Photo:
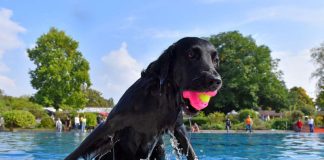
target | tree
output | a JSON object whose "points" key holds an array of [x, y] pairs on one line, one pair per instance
{"points": [[299, 100], [320, 99], [318, 58], [61, 74], [95, 99], [249, 75]]}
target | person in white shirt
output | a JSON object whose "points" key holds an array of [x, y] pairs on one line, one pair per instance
{"points": [[76, 122], [83, 124], [58, 125], [311, 124], [2, 123]]}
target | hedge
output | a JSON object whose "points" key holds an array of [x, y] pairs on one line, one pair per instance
{"points": [[217, 126], [245, 112], [47, 122], [91, 119], [281, 124], [216, 117], [17, 118]]}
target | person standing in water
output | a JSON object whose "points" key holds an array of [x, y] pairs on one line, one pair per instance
{"points": [[311, 124], [249, 123], [299, 125], [58, 125], [76, 122], [83, 124], [228, 124]]}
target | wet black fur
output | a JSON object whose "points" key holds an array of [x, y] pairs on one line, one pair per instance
{"points": [[153, 105]]}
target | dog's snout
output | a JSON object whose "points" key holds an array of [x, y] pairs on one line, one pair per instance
{"points": [[214, 82]]}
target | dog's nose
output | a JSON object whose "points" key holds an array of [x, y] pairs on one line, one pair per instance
{"points": [[214, 82]]}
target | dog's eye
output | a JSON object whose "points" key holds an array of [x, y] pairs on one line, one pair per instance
{"points": [[214, 57], [216, 62], [194, 53]]}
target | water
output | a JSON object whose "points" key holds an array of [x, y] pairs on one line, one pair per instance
{"points": [[304, 146]]}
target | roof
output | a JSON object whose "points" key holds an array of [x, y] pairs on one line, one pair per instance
{"points": [[270, 113], [321, 113], [95, 109]]}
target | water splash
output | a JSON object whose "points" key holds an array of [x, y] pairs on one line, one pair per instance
{"points": [[175, 145], [189, 137], [152, 148]]}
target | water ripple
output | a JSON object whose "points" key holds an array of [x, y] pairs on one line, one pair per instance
{"points": [[33, 146]]}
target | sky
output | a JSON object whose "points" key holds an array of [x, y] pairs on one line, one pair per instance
{"points": [[120, 38]]}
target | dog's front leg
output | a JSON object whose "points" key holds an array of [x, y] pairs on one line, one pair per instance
{"points": [[181, 135], [159, 151]]}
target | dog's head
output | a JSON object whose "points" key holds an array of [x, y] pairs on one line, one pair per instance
{"points": [[190, 64]]}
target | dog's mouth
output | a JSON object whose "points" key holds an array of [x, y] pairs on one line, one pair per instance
{"points": [[196, 101]]}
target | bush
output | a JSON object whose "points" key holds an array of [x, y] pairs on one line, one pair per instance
{"points": [[199, 120], [245, 112], [62, 115], [47, 122], [261, 125], [234, 118], [216, 117], [307, 109], [16, 118], [319, 121], [91, 119], [281, 124], [23, 103], [295, 115], [217, 126], [238, 126]]}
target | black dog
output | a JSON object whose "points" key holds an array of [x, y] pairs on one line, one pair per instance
{"points": [[153, 105]]}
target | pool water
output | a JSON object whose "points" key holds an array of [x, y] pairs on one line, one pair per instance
{"points": [[292, 146]]}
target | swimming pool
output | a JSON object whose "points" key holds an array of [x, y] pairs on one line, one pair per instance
{"points": [[303, 146]]}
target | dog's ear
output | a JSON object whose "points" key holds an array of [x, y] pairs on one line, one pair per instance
{"points": [[162, 66], [164, 63]]}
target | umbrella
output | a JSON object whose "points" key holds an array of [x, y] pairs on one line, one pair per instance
{"points": [[104, 114]]}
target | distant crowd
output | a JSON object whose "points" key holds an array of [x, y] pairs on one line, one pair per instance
{"points": [[79, 123]]}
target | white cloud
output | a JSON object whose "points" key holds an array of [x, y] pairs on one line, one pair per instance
{"points": [[297, 69], [309, 16], [9, 39], [121, 72], [9, 32], [6, 83]]}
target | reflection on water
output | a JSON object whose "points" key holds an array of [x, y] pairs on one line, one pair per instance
{"points": [[29, 145], [302, 146]]}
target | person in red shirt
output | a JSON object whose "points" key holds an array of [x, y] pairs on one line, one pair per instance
{"points": [[299, 125]]}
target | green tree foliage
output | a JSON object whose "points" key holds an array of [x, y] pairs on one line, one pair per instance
{"points": [[216, 117], [23, 103], [294, 115], [249, 74], [318, 58], [320, 99], [299, 100], [317, 55], [8, 103], [245, 112], [16, 118], [91, 119], [282, 124], [61, 72], [95, 99], [302, 96]]}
